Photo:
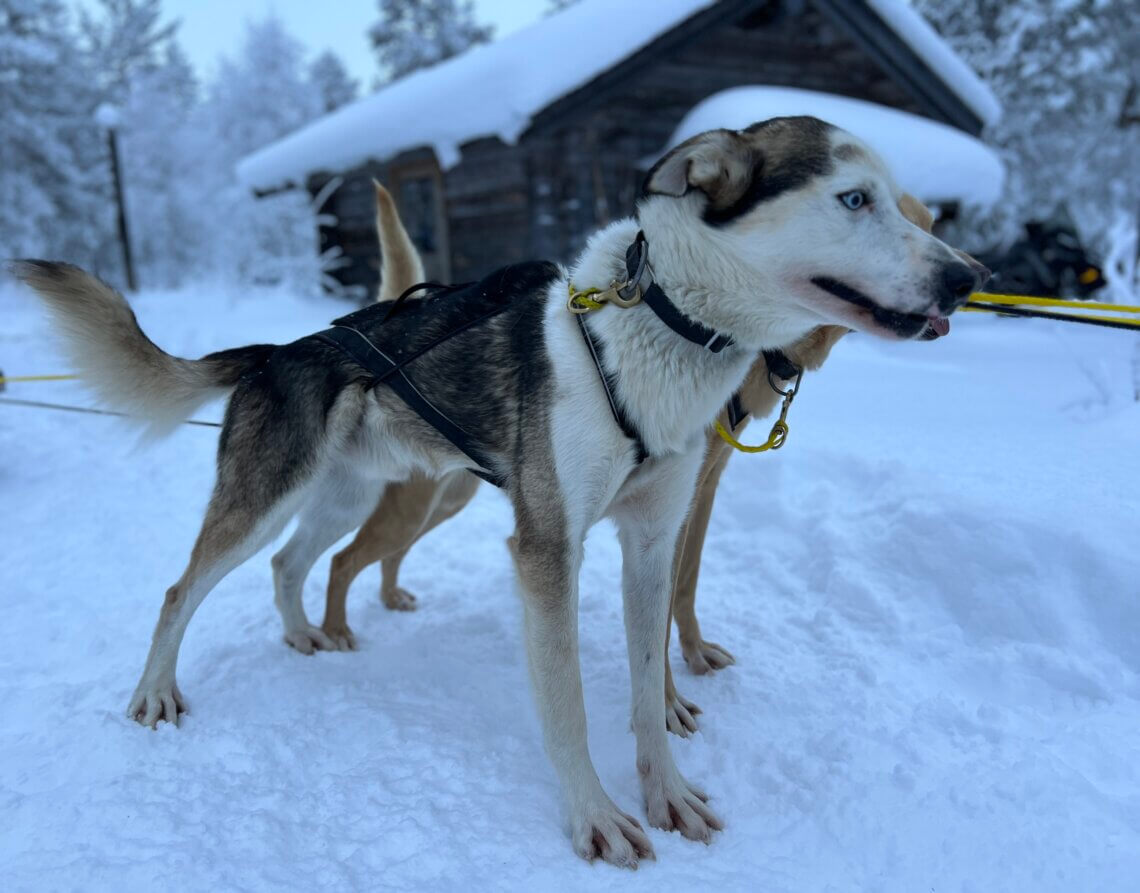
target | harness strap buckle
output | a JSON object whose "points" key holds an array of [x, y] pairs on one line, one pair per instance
{"points": [[590, 299], [623, 296]]}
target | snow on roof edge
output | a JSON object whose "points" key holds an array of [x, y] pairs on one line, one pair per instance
{"points": [[933, 161], [917, 33], [496, 89], [489, 90]]}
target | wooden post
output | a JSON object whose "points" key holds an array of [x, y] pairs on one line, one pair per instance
{"points": [[124, 235]]}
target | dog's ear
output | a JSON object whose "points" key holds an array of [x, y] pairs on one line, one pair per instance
{"points": [[916, 212], [720, 163]]}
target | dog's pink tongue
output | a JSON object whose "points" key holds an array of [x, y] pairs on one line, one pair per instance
{"points": [[941, 325]]}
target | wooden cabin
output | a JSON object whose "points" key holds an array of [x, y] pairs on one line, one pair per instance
{"points": [[519, 149]]}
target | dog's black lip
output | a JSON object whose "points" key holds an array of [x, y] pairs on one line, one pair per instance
{"points": [[906, 324]]}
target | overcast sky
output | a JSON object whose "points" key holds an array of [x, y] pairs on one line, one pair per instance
{"points": [[212, 27]]}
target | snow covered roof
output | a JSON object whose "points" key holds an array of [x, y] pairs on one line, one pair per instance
{"points": [[926, 43], [497, 89], [933, 161], [494, 89]]}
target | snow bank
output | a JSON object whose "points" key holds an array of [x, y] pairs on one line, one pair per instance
{"points": [[935, 162], [930, 592], [929, 46], [490, 90]]}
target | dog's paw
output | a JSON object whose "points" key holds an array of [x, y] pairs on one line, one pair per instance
{"points": [[680, 715], [398, 599], [675, 805], [154, 702], [605, 832], [342, 636], [706, 657], [308, 639]]}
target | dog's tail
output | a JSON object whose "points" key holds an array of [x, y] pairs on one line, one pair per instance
{"points": [[401, 266], [127, 370]]}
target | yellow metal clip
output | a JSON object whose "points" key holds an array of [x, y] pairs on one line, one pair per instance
{"points": [[590, 299]]}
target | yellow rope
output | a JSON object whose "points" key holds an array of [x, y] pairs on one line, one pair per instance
{"points": [[775, 440], [1122, 320], [582, 300], [4, 379], [988, 298]]}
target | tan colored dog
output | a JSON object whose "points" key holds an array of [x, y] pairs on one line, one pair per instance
{"points": [[410, 509]]}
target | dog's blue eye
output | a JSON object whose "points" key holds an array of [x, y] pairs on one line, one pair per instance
{"points": [[854, 200]]}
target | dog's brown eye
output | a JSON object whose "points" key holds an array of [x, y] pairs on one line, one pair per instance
{"points": [[854, 200]]}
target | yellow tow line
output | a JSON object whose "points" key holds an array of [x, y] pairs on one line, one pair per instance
{"points": [[1014, 305], [4, 379], [980, 302]]}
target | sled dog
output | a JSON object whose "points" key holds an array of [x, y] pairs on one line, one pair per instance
{"points": [[743, 240], [409, 509]]}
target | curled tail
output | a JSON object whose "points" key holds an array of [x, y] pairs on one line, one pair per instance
{"points": [[113, 356], [401, 266]]}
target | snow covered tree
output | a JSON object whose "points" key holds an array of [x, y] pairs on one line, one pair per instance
{"points": [[331, 79], [162, 201], [50, 198], [123, 37], [263, 93], [137, 65], [414, 34], [272, 239], [1067, 76]]}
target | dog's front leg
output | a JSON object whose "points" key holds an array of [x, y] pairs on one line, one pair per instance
{"points": [[548, 577], [649, 518]]}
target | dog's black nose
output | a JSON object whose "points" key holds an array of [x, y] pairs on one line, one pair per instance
{"points": [[956, 283]]}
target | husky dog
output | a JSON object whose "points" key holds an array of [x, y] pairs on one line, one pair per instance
{"points": [[410, 509], [757, 236], [407, 509]]}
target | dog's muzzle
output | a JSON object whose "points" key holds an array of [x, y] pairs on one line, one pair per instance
{"points": [[955, 282]]}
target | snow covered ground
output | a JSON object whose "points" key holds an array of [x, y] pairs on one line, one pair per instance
{"points": [[931, 593]]}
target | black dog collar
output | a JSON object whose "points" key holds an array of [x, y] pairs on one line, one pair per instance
{"points": [[637, 266]]}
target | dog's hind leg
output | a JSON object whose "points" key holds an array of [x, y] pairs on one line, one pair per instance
{"points": [[455, 490], [407, 511], [239, 521], [341, 500]]}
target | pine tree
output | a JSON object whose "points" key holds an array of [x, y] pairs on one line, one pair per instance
{"points": [[123, 38], [414, 34], [162, 200], [49, 204], [263, 93], [332, 82], [139, 69], [257, 97]]}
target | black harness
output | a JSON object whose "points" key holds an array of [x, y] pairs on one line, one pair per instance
{"points": [[393, 372], [384, 369]]}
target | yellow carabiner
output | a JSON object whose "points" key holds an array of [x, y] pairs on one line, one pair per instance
{"points": [[777, 437]]}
